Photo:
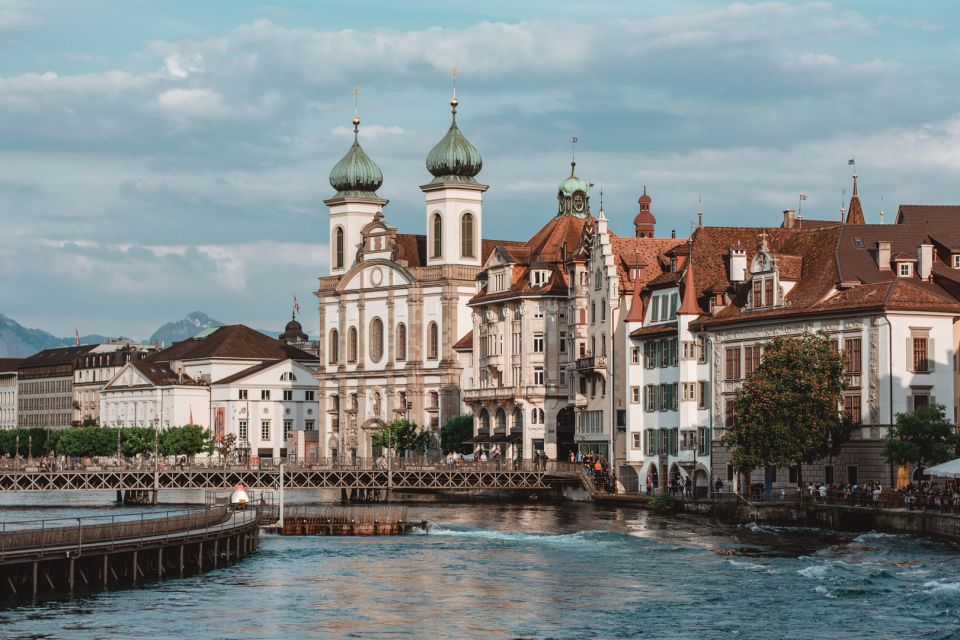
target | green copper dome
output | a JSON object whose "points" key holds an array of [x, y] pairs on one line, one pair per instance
{"points": [[572, 184], [454, 159], [356, 175]]}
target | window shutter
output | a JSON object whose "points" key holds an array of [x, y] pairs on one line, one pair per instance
{"points": [[910, 404], [933, 401], [910, 355], [930, 358], [645, 395]]}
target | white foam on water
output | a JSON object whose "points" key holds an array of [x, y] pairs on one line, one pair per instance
{"points": [[503, 536], [938, 588], [750, 566], [822, 590]]}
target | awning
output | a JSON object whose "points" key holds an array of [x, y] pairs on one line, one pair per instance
{"points": [[515, 436], [949, 469], [480, 438], [499, 437]]}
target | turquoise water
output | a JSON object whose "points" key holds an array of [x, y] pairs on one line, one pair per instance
{"points": [[541, 571]]}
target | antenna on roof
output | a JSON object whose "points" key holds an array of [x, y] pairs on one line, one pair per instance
{"points": [[699, 211], [843, 199]]}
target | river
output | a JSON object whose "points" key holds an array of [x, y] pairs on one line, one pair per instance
{"points": [[566, 570]]}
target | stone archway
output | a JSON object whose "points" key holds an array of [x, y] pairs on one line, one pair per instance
{"points": [[565, 433], [654, 475], [370, 428], [629, 479], [701, 482]]}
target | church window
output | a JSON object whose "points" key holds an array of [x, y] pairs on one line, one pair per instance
{"points": [[352, 345], [433, 341], [401, 342], [466, 235], [376, 339], [334, 346], [437, 236], [338, 249]]}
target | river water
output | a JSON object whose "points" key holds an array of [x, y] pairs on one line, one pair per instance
{"points": [[530, 571]]}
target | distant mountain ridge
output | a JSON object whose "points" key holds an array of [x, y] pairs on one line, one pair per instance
{"points": [[17, 341]]}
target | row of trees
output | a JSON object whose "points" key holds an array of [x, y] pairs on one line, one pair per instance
{"points": [[187, 440], [403, 436], [787, 413]]}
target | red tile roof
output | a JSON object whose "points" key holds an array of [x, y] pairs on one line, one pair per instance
{"points": [[465, 343], [413, 248]]}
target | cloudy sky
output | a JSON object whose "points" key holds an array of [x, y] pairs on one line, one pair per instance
{"points": [[161, 157]]}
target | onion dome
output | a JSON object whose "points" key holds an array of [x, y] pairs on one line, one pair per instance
{"points": [[572, 184], [454, 159], [356, 175]]}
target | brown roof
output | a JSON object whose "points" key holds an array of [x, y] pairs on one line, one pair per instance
{"points": [[9, 365], [413, 248], [655, 330], [240, 375], [939, 216], [645, 253], [60, 355], [160, 374], [231, 341], [465, 343]]}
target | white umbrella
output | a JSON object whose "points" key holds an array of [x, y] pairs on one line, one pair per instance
{"points": [[949, 469]]}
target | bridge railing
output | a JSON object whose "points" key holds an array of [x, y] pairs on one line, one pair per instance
{"points": [[41, 536]]}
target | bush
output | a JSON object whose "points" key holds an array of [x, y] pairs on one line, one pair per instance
{"points": [[665, 504]]}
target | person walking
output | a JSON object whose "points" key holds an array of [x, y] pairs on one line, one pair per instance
{"points": [[718, 487]]}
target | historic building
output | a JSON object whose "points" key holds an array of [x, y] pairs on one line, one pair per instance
{"points": [[94, 369], [45, 387], [8, 392], [231, 379], [394, 305], [886, 294]]}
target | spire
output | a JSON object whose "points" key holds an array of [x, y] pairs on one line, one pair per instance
{"points": [[636, 302], [644, 222], [689, 306], [356, 175], [855, 214], [454, 159]]}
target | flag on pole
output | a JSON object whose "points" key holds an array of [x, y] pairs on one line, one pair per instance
{"points": [[803, 196], [296, 305], [851, 161], [77, 332]]}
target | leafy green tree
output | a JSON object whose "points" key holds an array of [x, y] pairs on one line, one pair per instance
{"points": [[455, 433], [787, 411], [187, 440], [923, 437], [137, 441], [402, 436], [225, 445]]}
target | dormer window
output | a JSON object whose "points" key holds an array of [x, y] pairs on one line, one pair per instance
{"points": [[673, 264], [904, 269], [956, 261], [539, 277]]}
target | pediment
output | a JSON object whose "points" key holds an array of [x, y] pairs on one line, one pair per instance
{"points": [[373, 274]]}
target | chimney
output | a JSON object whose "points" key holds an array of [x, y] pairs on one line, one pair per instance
{"points": [[925, 261], [737, 265], [883, 255], [673, 233], [788, 219]]}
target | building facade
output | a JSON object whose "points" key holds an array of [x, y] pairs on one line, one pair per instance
{"points": [[8, 392], [45, 387], [97, 367]]}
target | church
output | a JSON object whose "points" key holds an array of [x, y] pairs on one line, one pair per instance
{"points": [[394, 304]]}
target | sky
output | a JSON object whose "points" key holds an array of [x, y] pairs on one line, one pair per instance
{"points": [[159, 157]]}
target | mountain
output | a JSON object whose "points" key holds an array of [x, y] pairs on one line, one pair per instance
{"points": [[17, 341], [190, 326]]}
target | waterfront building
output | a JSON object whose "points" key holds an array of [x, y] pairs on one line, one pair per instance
{"points": [[94, 369], [393, 304], [886, 294], [8, 392], [45, 387], [231, 379]]}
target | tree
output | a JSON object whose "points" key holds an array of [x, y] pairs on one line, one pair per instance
{"points": [[923, 437], [187, 440], [225, 445], [402, 436], [137, 440], [455, 433], [788, 409]]}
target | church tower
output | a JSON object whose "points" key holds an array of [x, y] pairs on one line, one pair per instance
{"points": [[356, 179], [454, 199]]}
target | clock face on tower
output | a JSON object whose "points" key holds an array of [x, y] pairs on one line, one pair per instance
{"points": [[578, 201]]}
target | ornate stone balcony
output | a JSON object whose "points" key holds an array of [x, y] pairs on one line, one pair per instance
{"points": [[592, 363]]}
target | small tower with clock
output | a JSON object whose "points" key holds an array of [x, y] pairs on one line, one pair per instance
{"points": [[573, 195]]}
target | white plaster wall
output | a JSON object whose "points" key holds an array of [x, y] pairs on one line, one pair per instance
{"points": [[451, 203]]}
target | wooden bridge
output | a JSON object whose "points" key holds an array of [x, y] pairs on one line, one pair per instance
{"points": [[358, 476], [64, 555]]}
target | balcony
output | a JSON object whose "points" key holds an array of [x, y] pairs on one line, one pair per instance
{"points": [[502, 393], [592, 363]]}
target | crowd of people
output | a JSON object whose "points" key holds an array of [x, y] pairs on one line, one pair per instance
{"points": [[597, 468]]}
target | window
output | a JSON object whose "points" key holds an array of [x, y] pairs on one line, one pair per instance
{"points": [[851, 409], [287, 428], [730, 414], [635, 395], [828, 473], [751, 359], [517, 376], [309, 425], [593, 312], [538, 310], [732, 370], [309, 396], [851, 355], [338, 251], [242, 394], [920, 400], [603, 309], [920, 361], [636, 440], [264, 429], [538, 343], [768, 292], [352, 345], [648, 358], [538, 375], [702, 395], [634, 355], [334, 346], [757, 292], [956, 261], [563, 342], [655, 309], [466, 235], [265, 394], [433, 341], [288, 394], [852, 475], [792, 475], [904, 269], [242, 430], [437, 236], [376, 339]]}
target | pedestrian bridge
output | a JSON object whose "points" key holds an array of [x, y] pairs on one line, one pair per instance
{"points": [[364, 475]]}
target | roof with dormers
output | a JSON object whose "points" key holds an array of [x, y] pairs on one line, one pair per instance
{"points": [[232, 341]]}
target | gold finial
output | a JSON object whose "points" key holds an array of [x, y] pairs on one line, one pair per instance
{"points": [[453, 76], [356, 109]]}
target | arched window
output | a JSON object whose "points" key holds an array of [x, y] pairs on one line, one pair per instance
{"points": [[501, 420], [334, 346], [433, 341], [287, 377], [338, 248], [466, 235], [517, 419], [434, 400], [401, 342], [376, 339], [540, 416], [437, 236], [352, 345], [485, 420]]}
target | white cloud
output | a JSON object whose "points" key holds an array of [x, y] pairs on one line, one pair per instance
{"points": [[191, 102]]}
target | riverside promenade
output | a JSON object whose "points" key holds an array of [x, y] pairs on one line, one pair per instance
{"points": [[60, 556]]}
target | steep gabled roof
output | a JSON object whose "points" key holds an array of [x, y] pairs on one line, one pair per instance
{"points": [[465, 343], [235, 341]]}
